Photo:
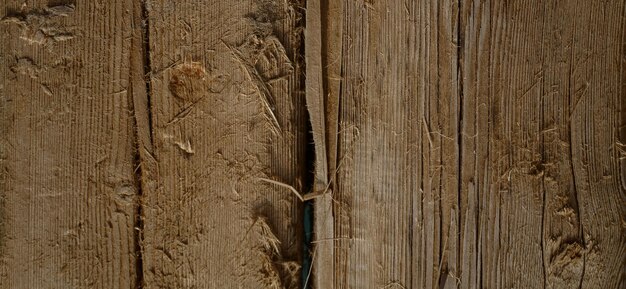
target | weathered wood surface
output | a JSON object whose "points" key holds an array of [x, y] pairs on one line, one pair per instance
{"points": [[547, 82], [458, 144], [397, 163], [543, 102], [481, 145], [228, 118], [67, 171]]}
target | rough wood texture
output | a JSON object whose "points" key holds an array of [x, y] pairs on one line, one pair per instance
{"points": [[67, 180], [481, 145], [322, 115], [398, 164], [458, 144], [543, 103], [228, 122]]}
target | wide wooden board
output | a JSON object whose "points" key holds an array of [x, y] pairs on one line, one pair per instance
{"points": [[229, 134], [67, 158], [480, 145]]}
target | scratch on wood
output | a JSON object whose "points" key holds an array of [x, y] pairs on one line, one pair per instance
{"points": [[266, 97]]}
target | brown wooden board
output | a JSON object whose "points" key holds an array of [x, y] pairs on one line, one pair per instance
{"points": [[445, 144], [480, 145], [543, 102], [67, 171], [395, 192], [229, 133]]}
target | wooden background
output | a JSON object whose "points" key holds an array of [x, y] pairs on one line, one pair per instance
{"points": [[444, 144]]}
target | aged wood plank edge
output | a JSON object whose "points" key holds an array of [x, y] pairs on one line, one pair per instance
{"points": [[322, 264], [314, 88]]}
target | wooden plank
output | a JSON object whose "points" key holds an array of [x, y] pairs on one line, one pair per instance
{"points": [[228, 123], [542, 102], [458, 144], [501, 168], [398, 150], [67, 171], [506, 151]]}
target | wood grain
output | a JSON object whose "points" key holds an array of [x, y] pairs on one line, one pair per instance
{"points": [[480, 145], [452, 144], [397, 158], [227, 110], [323, 50], [543, 102], [67, 180]]}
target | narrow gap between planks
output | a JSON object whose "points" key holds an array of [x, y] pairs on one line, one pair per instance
{"points": [[141, 107]]}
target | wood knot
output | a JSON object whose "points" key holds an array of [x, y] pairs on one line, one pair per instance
{"points": [[566, 264], [537, 168], [190, 81], [186, 80]]}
